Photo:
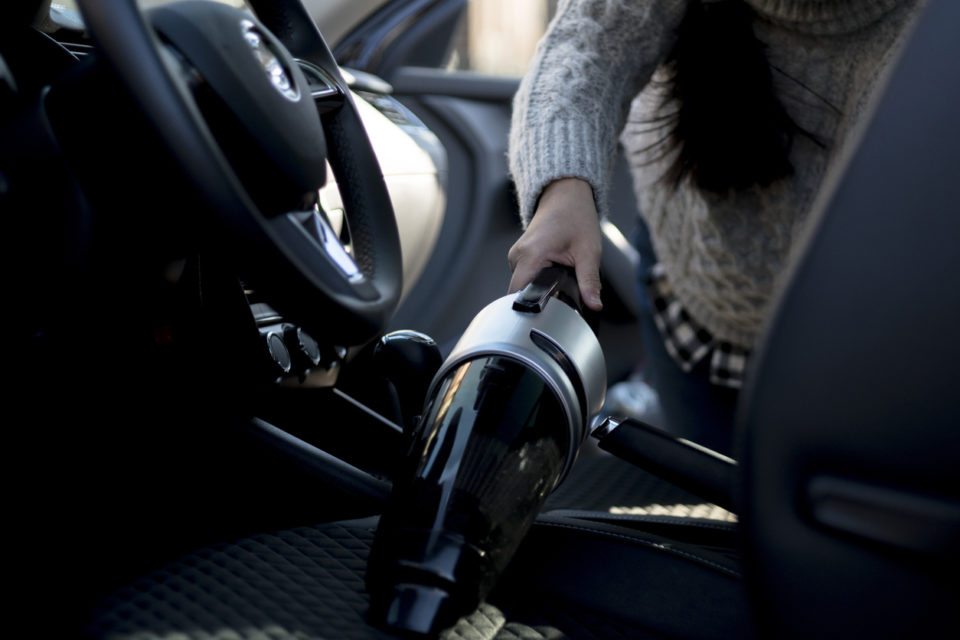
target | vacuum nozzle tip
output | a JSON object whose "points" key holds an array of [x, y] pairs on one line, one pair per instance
{"points": [[414, 610]]}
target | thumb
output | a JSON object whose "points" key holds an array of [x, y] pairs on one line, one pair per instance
{"points": [[588, 279]]}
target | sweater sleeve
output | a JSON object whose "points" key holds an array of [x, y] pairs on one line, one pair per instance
{"points": [[574, 99]]}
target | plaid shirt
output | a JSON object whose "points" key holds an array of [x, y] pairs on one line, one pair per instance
{"points": [[686, 341]]}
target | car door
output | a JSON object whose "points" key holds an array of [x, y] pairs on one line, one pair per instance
{"points": [[456, 65]]}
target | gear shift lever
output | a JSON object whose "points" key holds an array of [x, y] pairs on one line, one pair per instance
{"points": [[409, 360]]}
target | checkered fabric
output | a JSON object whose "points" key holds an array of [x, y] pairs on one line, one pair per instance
{"points": [[686, 341]]}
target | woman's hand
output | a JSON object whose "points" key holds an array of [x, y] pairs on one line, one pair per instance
{"points": [[565, 230]]}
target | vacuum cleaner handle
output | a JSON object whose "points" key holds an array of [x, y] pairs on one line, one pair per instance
{"points": [[553, 281], [556, 281]]}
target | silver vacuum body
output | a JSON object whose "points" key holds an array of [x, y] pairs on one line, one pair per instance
{"points": [[556, 344], [503, 420]]}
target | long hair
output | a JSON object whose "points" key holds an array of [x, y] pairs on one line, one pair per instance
{"points": [[730, 130]]}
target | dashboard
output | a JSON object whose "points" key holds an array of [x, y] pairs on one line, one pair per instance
{"points": [[411, 159]]}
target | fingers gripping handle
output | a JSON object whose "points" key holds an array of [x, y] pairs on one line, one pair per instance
{"points": [[553, 281]]}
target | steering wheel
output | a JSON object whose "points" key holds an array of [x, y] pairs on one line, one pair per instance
{"points": [[250, 124]]}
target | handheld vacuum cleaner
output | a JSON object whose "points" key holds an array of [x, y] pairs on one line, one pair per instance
{"points": [[502, 423]]}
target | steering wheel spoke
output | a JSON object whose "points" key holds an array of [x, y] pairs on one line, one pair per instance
{"points": [[326, 92], [316, 226]]}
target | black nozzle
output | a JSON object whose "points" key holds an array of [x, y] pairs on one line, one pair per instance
{"points": [[422, 581], [414, 610], [493, 443]]}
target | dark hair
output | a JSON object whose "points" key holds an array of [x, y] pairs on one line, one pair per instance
{"points": [[730, 130]]}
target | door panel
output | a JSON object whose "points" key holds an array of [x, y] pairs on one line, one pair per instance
{"points": [[470, 114], [469, 267]]}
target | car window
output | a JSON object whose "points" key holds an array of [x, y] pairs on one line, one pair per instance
{"points": [[498, 37]]}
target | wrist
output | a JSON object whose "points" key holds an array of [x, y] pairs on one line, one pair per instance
{"points": [[567, 194]]}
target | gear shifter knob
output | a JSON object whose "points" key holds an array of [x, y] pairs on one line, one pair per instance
{"points": [[503, 421], [409, 360]]}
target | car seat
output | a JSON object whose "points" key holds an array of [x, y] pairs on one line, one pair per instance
{"points": [[850, 467]]}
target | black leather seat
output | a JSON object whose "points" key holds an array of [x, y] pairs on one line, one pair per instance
{"points": [[848, 497], [851, 460]]}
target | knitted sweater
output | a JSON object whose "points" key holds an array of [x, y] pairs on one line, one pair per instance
{"points": [[721, 255]]}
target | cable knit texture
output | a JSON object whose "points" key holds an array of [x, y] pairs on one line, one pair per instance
{"points": [[595, 80]]}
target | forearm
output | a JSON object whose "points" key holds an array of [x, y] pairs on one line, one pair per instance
{"points": [[573, 102]]}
